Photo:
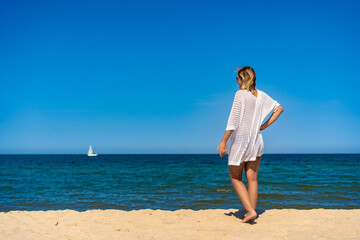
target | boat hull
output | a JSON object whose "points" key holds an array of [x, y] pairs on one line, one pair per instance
{"points": [[92, 154]]}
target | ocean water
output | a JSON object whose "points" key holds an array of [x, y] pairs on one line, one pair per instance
{"points": [[174, 181]]}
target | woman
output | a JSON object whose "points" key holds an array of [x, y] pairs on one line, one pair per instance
{"points": [[249, 109]]}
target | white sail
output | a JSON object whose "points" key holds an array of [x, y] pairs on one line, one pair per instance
{"points": [[91, 152]]}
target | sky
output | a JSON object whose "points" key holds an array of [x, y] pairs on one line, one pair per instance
{"points": [[133, 77]]}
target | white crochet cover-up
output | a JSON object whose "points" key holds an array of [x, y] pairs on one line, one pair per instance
{"points": [[246, 116]]}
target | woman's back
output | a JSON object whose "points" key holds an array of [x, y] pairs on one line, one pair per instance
{"points": [[247, 114]]}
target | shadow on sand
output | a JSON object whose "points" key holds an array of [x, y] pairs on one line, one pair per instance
{"points": [[240, 214]]}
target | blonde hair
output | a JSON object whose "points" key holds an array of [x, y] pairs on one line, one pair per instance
{"points": [[248, 78]]}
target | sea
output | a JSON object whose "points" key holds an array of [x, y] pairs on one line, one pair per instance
{"points": [[174, 181]]}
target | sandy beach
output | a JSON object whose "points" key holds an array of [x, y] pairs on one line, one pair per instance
{"points": [[180, 224]]}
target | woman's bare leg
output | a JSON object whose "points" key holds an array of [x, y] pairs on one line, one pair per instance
{"points": [[235, 173], [251, 171]]}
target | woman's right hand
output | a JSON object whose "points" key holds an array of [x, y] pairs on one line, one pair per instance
{"points": [[262, 127], [223, 148]]}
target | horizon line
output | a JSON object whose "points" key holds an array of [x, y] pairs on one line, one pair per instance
{"points": [[151, 153]]}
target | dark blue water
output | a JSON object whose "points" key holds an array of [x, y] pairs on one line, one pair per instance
{"points": [[171, 182]]}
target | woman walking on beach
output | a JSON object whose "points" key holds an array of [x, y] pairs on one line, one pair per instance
{"points": [[249, 109]]}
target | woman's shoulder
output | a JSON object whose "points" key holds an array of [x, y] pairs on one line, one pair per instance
{"points": [[262, 92], [240, 91], [244, 92]]}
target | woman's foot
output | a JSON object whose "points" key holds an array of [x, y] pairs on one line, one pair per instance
{"points": [[249, 216]]}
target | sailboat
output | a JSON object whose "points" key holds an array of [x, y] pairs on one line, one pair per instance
{"points": [[91, 153]]}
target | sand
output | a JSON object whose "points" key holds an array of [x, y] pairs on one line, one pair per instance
{"points": [[180, 224]]}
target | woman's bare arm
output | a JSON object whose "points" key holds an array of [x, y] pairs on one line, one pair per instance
{"points": [[272, 118], [227, 136]]}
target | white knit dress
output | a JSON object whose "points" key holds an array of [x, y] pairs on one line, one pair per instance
{"points": [[246, 116]]}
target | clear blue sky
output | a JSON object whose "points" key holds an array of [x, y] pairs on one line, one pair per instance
{"points": [[158, 76]]}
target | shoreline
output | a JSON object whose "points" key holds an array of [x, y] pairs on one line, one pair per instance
{"points": [[180, 224]]}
